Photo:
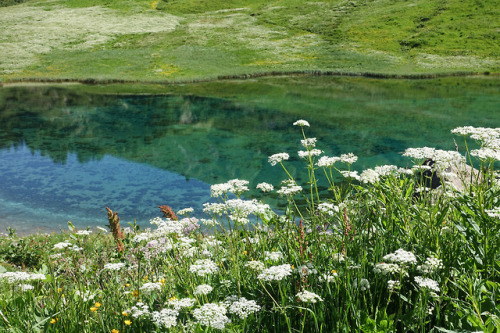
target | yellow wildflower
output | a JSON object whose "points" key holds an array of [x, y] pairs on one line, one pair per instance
{"points": [[114, 331], [125, 313], [53, 321], [128, 322], [97, 305], [135, 293], [93, 309], [127, 285]]}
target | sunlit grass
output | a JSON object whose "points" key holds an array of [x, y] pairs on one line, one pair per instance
{"points": [[379, 252]]}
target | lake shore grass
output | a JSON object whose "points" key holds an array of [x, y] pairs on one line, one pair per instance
{"points": [[382, 252]]}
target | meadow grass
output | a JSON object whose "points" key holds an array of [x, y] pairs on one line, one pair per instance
{"points": [[380, 252], [185, 40]]}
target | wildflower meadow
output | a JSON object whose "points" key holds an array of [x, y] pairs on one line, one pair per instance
{"points": [[388, 249]]}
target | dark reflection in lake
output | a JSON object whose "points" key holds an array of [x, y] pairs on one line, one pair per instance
{"points": [[65, 156]]}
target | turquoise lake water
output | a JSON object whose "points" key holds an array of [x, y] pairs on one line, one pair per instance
{"points": [[66, 156]]}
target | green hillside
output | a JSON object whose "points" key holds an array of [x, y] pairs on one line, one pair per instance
{"points": [[178, 40]]}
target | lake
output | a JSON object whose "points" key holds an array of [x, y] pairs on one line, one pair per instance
{"points": [[67, 152]]}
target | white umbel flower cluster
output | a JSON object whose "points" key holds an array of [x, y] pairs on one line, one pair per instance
{"points": [[62, 245], [327, 162], [255, 265], [275, 273], [427, 283], [165, 318], [289, 188], [401, 257], [309, 153], [203, 289], [149, 287], [114, 266], [182, 303], [243, 307], [388, 268], [349, 158], [308, 297], [328, 208], [301, 123], [273, 256], [308, 142], [265, 187], [204, 267], [13, 277], [236, 186], [278, 158], [212, 315], [430, 265]]}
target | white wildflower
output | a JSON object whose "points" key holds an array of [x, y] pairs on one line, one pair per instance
{"points": [[139, 310], [430, 265], [275, 273], [149, 287], [349, 158], [13, 277], [114, 266], [308, 142], [62, 245], [328, 208], [265, 187], [486, 153], [393, 285], [308, 297], [427, 283], [86, 296], [350, 174], [273, 256], [401, 257], [212, 315], [165, 318], [301, 123], [203, 289], [389, 268], [182, 303], [185, 211], [327, 162], [309, 153], [255, 265], [26, 287], [204, 267], [369, 176], [83, 232], [209, 222], [243, 307], [214, 208], [278, 158], [289, 188]]}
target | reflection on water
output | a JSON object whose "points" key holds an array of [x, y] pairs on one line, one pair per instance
{"points": [[65, 156]]}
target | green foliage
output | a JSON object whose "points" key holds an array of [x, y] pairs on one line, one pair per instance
{"points": [[237, 37], [373, 255]]}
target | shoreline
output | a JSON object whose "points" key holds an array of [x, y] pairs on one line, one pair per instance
{"points": [[309, 73]]}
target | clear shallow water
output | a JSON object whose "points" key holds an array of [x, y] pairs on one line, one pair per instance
{"points": [[67, 155]]}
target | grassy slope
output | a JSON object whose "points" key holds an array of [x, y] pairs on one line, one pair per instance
{"points": [[194, 39]]}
